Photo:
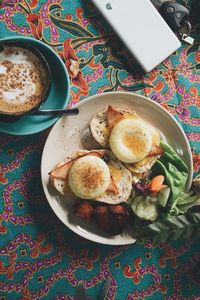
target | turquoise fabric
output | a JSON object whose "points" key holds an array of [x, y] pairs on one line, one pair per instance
{"points": [[39, 257]]}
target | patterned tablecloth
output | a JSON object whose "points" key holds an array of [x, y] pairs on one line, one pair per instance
{"points": [[39, 257]]}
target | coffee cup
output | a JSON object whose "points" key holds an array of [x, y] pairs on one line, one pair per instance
{"points": [[25, 79]]}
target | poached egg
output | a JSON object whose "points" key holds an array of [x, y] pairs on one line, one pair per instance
{"points": [[89, 177], [131, 140]]}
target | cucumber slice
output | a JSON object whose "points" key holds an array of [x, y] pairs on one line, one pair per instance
{"points": [[151, 199], [135, 179], [131, 197], [163, 196], [135, 202], [147, 211]]}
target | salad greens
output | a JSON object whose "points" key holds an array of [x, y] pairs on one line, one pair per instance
{"points": [[184, 202], [174, 170], [161, 211], [170, 228]]}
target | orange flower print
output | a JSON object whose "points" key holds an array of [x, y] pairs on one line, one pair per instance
{"points": [[197, 56], [196, 161], [33, 3], [72, 65], [170, 76], [35, 24]]}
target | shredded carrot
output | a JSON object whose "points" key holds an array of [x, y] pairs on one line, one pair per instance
{"points": [[156, 184]]}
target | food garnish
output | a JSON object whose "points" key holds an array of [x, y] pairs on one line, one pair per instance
{"points": [[156, 184]]}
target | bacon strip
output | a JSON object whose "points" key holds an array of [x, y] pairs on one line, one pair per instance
{"points": [[112, 186], [62, 171], [113, 116], [156, 150]]}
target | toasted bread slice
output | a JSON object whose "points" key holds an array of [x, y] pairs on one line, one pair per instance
{"points": [[61, 172], [103, 122], [58, 175], [143, 165], [146, 163], [121, 180]]}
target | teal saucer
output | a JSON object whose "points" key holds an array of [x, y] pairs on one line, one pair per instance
{"points": [[58, 97]]}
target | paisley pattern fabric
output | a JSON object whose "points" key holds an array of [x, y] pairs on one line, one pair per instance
{"points": [[39, 257]]}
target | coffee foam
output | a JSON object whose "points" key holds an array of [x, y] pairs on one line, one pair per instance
{"points": [[17, 57], [3, 70], [23, 80]]}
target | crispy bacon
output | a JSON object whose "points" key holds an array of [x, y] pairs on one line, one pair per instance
{"points": [[156, 150], [112, 219], [113, 116], [84, 210]]}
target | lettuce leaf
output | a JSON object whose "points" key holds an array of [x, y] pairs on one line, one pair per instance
{"points": [[174, 169], [184, 202]]}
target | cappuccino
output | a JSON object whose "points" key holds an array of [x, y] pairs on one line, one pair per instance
{"points": [[23, 80]]}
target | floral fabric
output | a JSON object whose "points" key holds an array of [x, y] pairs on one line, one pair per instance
{"points": [[39, 257]]}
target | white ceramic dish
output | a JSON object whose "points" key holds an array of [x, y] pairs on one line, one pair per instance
{"points": [[66, 137]]}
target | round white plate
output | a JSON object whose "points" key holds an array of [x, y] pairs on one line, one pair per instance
{"points": [[66, 137]]}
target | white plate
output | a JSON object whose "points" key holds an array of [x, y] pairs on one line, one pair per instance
{"points": [[66, 137]]}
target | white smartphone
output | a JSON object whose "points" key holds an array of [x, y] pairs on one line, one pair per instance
{"points": [[141, 28]]}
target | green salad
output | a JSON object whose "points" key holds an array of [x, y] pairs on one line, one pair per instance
{"points": [[161, 206]]}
